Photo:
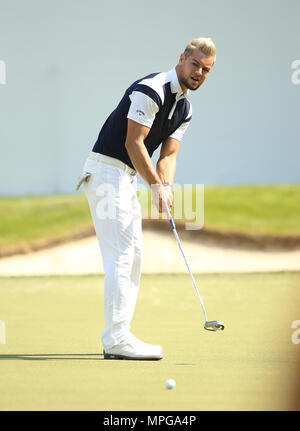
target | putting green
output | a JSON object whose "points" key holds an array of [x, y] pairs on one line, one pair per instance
{"points": [[52, 357]]}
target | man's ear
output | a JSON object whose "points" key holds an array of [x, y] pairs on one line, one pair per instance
{"points": [[181, 58]]}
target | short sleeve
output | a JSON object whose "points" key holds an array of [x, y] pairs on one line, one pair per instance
{"points": [[178, 134], [142, 109]]}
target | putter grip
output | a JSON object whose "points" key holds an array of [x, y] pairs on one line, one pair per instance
{"points": [[172, 223]]}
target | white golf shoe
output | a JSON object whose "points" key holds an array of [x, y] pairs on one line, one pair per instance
{"points": [[133, 348]]}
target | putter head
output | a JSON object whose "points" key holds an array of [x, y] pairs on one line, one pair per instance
{"points": [[214, 325]]}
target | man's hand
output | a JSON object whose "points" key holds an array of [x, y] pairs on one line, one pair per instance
{"points": [[162, 197]]}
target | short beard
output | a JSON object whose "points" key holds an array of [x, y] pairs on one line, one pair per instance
{"points": [[187, 85]]}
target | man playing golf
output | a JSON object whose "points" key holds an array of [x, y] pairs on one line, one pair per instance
{"points": [[154, 111]]}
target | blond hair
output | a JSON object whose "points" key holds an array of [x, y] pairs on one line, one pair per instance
{"points": [[204, 44]]}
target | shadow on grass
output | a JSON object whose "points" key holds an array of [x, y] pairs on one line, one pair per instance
{"points": [[54, 356], [64, 356]]}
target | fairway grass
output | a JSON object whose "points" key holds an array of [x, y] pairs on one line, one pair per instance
{"points": [[32, 219], [52, 359], [248, 209]]}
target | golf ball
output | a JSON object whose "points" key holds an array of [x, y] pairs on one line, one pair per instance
{"points": [[170, 384]]}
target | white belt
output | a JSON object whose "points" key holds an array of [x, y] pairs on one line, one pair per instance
{"points": [[111, 161]]}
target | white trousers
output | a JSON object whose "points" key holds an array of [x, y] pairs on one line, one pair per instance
{"points": [[116, 214]]}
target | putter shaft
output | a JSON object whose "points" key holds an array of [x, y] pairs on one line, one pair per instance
{"points": [[186, 262], [212, 325]]}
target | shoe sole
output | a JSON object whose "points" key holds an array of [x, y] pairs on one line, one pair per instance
{"points": [[129, 358]]}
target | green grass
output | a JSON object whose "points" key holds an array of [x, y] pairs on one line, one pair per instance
{"points": [[254, 209], [251, 209], [52, 357], [34, 218], [247, 209]]}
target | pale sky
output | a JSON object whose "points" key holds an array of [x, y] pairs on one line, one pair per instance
{"points": [[68, 63]]}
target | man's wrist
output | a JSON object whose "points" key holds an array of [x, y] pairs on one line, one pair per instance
{"points": [[162, 184]]}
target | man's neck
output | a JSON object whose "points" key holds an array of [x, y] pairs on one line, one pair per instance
{"points": [[183, 88]]}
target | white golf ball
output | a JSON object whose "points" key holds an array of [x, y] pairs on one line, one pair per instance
{"points": [[170, 384]]}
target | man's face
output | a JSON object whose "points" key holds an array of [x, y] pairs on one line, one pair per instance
{"points": [[193, 70]]}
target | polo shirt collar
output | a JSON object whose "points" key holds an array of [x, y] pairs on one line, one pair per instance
{"points": [[175, 86]]}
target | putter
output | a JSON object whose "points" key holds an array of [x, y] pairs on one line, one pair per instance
{"points": [[212, 325]]}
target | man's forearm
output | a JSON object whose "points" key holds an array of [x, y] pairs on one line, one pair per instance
{"points": [[142, 162], [166, 169]]}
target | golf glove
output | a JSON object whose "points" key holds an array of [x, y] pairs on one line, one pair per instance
{"points": [[162, 197]]}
